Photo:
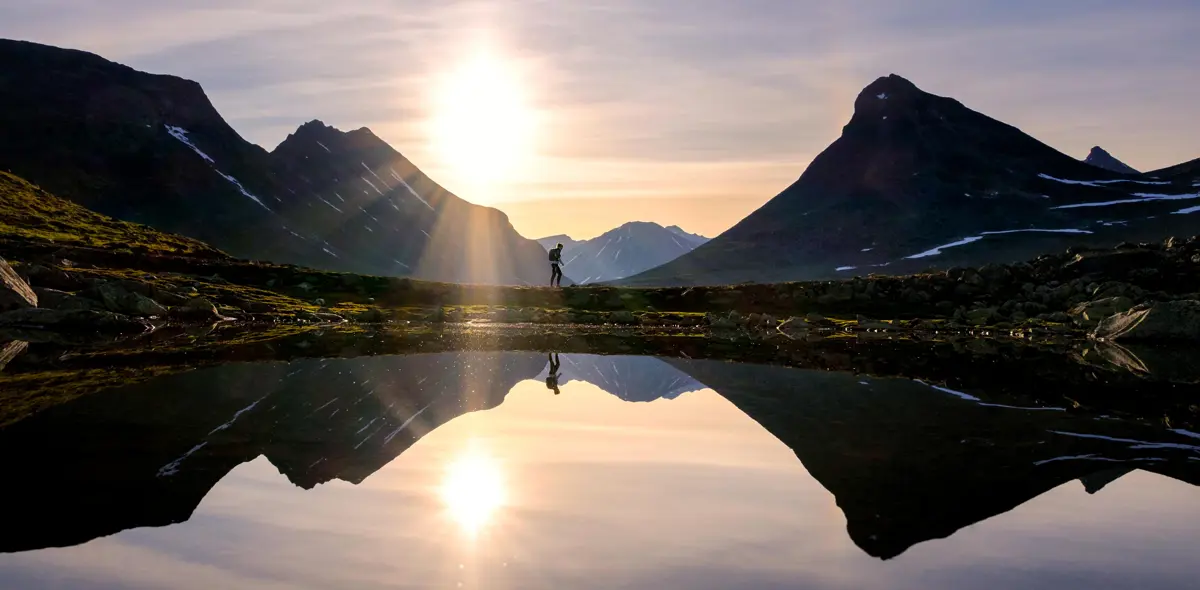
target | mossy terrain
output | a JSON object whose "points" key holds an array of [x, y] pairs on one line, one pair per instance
{"points": [[59, 245], [31, 214], [1064, 372]]}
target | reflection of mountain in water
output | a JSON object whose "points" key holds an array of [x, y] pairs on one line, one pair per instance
{"points": [[908, 462], [145, 455], [631, 378]]}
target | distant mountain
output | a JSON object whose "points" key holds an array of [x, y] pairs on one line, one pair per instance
{"points": [[630, 378], [153, 149], [919, 181], [1102, 159], [624, 251]]}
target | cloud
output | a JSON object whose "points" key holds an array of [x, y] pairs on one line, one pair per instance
{"points": [[759, 87]]}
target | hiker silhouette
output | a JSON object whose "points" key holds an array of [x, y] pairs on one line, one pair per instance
{"points": [[553, 375]]}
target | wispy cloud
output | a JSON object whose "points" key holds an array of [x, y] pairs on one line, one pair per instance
{"points": [[644, 97]]}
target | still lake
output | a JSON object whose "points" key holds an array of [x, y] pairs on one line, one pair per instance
{"points": [[467, 470]]}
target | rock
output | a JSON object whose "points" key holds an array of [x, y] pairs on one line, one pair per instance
{"points": [[15, 293], [63, 301], [332, 318], [1058, 317], [118, 299], [41, 276], [304, 287], [814, 318], [10, 351], [318, 302], [196, 309], [168, 298], [83, 320], [794, 326], [371, 316], [717, 322], [622, 317], [981, 317], [1091, 313], [1168, 320]]}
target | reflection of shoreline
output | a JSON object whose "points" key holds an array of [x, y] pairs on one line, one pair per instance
{"points": [[907, 462], [910, 463]]}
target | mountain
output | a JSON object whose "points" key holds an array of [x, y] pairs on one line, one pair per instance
{"points": [[919, 181], [152, 149], [129, 458], [630, 378], [1102, 159], [1186, 172], [624, 251]]}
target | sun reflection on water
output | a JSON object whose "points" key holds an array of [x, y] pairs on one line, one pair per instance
{"points": [[473, 489]]}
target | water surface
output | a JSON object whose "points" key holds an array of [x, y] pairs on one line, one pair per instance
{"points": [[466, 469]]}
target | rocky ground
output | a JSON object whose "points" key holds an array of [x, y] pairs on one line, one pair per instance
{"points": [[1148, 291]]}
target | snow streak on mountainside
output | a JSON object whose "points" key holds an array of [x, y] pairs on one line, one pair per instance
{"points": [[918, 181], [153, 149]]}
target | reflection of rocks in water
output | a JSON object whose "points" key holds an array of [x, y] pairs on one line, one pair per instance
{"points": [[10, 351], [908, 462], [1172, 363], [147, 454], [630, 378]]}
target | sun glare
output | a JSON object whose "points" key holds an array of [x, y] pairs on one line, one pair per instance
{"points": [[473, 489], [483, 126]]}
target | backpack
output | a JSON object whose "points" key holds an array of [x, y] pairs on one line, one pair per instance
{"points": [[555, 255]]}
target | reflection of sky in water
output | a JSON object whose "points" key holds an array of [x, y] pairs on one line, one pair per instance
{"points": [[583, 490]]}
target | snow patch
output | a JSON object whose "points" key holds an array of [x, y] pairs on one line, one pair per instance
{"points": [[364, 179], [324, 147], [330, 204], [844, 268], [882, 96], [1137, 444], [965, 241], [236, 415], [173, 467], [1141, 198], [182, 135], [957, 394], [1186, 211], [242, 189], [1099, 183], [329, 252], [866, 249]]}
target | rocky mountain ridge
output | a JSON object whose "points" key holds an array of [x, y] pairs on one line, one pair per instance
{"points": [[921, 181], [152, 149]]}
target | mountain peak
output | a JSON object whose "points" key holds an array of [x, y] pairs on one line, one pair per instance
{"points": [[886, 90], [1100, 158]]}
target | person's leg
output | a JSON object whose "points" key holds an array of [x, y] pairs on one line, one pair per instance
{"points": [[553, 272]]}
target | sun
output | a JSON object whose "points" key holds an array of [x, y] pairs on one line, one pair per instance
{"points": [[473, 489], [483, 126]]}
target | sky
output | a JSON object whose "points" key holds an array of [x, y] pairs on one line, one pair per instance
{"points": [[575, 117]]}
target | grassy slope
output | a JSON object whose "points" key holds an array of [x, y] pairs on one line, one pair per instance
{"points": [[29, 213]]}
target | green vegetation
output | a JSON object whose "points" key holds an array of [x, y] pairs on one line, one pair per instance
{"points": [[29, 213]]}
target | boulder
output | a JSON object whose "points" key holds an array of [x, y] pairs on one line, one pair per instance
{"points": [[52, 278], [63, 301], [622, 317], [10, 351], [70, 321], [117, 298], [196, 309], [719, 322], [1166, 320], [980, 317], [794, 326], [1089, 314], [15, 293]]}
